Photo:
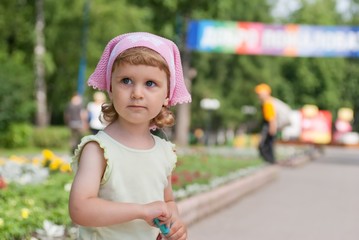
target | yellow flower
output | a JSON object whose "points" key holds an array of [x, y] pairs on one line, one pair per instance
{"points": [[47, 154], [25, 212], [55, 164], [2, 161], [65, 167], [58, 159], [2, 222]]}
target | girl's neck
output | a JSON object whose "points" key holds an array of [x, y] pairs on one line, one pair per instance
{"points": [[134, 136]]}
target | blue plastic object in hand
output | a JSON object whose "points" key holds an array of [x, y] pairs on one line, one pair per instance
{"points": [[163, 228]]}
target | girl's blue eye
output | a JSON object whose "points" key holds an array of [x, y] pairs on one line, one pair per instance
{"points": [[126, 81], [150, 84]]}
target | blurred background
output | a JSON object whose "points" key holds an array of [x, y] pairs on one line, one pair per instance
{"points": [[49, 48]]}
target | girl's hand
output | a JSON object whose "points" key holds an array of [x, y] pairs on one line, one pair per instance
{"points": [[158, 210], [178, 231]]}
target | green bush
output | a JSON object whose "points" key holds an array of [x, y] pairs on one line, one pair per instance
{"points": [[51, 137], [24, 135], [17, 103], [18, 135]]}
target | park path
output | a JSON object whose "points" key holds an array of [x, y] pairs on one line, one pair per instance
{"points": [[318, 201]]}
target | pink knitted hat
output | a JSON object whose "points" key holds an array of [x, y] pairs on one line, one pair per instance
{"points": [[101, 77]]}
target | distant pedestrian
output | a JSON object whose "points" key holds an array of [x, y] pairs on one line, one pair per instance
{"points": [[96, 121], [75, 117], [269, 127]]}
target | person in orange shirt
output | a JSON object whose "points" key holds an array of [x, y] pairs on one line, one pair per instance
{"points": [[269, 129]]}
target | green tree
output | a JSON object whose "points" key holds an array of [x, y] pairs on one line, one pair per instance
{"points": [[16, 80], [16, 69]]}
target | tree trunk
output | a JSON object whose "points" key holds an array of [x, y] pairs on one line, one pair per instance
{"points": [[183, 115], [40, 84]]}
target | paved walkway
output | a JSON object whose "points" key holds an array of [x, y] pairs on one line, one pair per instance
{"points": [[319, 201]]}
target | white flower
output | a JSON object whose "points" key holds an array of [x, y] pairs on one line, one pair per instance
{"points": [[67, 187], [23, 173], [50, 230]]}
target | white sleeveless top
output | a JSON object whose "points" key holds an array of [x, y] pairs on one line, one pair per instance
{"points": [[132, 176]]}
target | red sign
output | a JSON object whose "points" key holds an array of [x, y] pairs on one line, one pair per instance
{"points": [[316, 128]]}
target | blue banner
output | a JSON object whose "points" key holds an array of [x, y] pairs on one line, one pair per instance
{"points": [[279, 40]]}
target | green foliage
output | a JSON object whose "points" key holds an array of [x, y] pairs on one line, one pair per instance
{"points": [[23, 135], [320, 12], [16, 30], [17, 136], [16, 69], [51, 137], [16, 104]]}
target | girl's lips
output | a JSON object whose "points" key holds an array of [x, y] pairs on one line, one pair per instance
{"points": [[136, 106]]}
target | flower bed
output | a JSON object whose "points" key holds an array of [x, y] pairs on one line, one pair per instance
{"points": [[201, 172], [34, 192]]}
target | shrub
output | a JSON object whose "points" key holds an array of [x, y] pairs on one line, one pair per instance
{"points": [[51, 137], [18, 135]]}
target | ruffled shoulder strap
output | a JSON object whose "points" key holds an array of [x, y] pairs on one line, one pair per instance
{"points": [[170, 150], [78, 151]]}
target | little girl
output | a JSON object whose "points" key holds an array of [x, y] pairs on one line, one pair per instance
{"points": [[123, 173]]}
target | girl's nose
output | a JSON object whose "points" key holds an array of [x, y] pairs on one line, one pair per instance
{"points": [[137, 92]]}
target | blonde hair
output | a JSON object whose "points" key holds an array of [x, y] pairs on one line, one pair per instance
{"points": [[149, 57]]}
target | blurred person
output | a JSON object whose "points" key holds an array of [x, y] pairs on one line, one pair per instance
{"points": [[96, 122], [75, 117], [269, 127]]}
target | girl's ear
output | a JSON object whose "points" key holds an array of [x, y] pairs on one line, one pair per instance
{"points": [[167, 100]]}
